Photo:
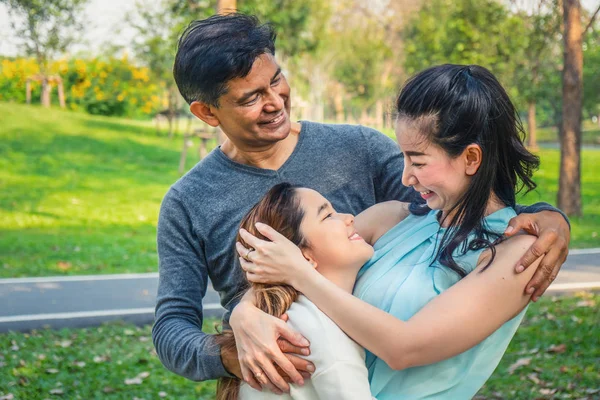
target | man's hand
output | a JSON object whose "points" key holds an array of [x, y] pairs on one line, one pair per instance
{"points": [[552, 244], [257, 338]]}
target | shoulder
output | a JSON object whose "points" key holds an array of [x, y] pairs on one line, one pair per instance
{"points": [[358, 132], [376, 220], [328, 343]]}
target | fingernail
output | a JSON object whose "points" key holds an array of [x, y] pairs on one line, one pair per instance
{"points": [[520, 268], [304, 342], [531, 290], [310, 368], [509, 229], [300, 382], [305, 352], [258, 223]]}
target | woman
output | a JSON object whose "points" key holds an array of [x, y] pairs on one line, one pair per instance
{"points": [[341, 371], [460, 136]]}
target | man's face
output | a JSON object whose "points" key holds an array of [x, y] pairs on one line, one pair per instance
{"points": [[255, 111]]}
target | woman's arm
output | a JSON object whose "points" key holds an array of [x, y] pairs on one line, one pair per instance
{"points": [[447, 326], [376, 220]]}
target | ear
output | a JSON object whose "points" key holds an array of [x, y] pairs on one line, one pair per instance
{"points": [[473, 157], [204, 111], [308, 256]]}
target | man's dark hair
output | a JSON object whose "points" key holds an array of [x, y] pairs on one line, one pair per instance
{"points": [[213, 51]]}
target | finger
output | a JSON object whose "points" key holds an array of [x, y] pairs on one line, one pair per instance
{"points": [[549, 268], [286, 347], [255, 278], [252, 240], [540, 247], [247, 266], [301, 364], [241, 249], [284, 317], [292, 336], [270, 233], [281, 361], [515, 225], [248, 377], [275, 379], [265, 382], [540, 278]]}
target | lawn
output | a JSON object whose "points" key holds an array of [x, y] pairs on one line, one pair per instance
{"points": [[81, 194], [554, 355]]}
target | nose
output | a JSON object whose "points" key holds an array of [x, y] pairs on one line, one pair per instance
{"points": [[348, 219], [275, 101], [408, 178]]}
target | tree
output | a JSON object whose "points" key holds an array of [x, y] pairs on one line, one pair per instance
{"points": [[45, 29], [539, 60], [569, 184]]}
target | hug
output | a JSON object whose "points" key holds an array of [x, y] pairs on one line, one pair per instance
{"points": [[350, 266]]}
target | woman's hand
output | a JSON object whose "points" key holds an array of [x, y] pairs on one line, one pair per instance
{"points": [[258, 339], [277, 261]]}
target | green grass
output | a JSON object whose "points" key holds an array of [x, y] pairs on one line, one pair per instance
{"points": [[94, 363], [81, 194]]}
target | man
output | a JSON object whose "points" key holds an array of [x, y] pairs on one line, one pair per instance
{"points": [[226, 70]]}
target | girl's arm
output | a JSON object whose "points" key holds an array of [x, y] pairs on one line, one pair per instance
{"points": [[376, 220], [445, 327]]}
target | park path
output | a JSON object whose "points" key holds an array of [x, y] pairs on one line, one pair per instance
{"points": [[80, 301]]}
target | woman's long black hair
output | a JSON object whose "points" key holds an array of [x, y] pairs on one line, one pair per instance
{"points": [[458, 105]]}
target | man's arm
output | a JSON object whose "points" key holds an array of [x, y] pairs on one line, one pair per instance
{"points": [[177, 333]]}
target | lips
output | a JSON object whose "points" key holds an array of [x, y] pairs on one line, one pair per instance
{"points": [[275, 121], [355, 236]]}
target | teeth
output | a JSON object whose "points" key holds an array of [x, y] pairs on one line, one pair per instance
{"points": [[354, 236], [426, 192]]}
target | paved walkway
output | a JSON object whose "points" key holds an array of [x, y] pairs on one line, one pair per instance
{"points": [[78, 301]]}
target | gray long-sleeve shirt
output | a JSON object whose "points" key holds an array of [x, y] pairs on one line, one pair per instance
{"points": [[352, 166]]}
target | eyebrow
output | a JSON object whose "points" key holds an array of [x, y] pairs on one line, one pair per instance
{"points": [[414, 153], [247, 95], [322, 208]]}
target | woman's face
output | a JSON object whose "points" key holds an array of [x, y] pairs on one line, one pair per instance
{"points": [[332, 239], [440, 179]]}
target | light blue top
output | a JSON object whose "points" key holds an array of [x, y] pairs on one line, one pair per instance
{"points": [[400, 280]]}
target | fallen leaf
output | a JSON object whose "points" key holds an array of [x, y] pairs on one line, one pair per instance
{"points": [[66, 343], [548, 391], [80, 364], [133, 381], [559, 349], [592, 391], [162, 394], [129, 332], [9, 396], [534, 378], [108, 389], [143, 375], [52, 371], [575, 319], [63, 265], [564, 369], [586, 303], [57, 391], [520, 363]]}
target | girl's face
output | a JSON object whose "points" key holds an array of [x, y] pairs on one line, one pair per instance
{"points": [[440, 179], [332, 239]]}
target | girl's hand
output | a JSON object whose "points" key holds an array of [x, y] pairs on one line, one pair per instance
{"points": [[256, 337], [277, 261]]}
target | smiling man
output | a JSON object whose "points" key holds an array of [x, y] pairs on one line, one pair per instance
{"points": [[226, 70]]}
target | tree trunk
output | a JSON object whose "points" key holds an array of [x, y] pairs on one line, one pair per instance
{"points": [[379, 114], [338, 101], [61, 94], [531, 126], [569, 188], [226, 6], [171, 111], [45, 98]]}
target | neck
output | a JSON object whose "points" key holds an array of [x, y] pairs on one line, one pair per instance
{"points": [[345, 278], [494, 204], [268, 156]]}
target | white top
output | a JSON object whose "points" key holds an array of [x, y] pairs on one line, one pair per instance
{"points": [[340, 371]]}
